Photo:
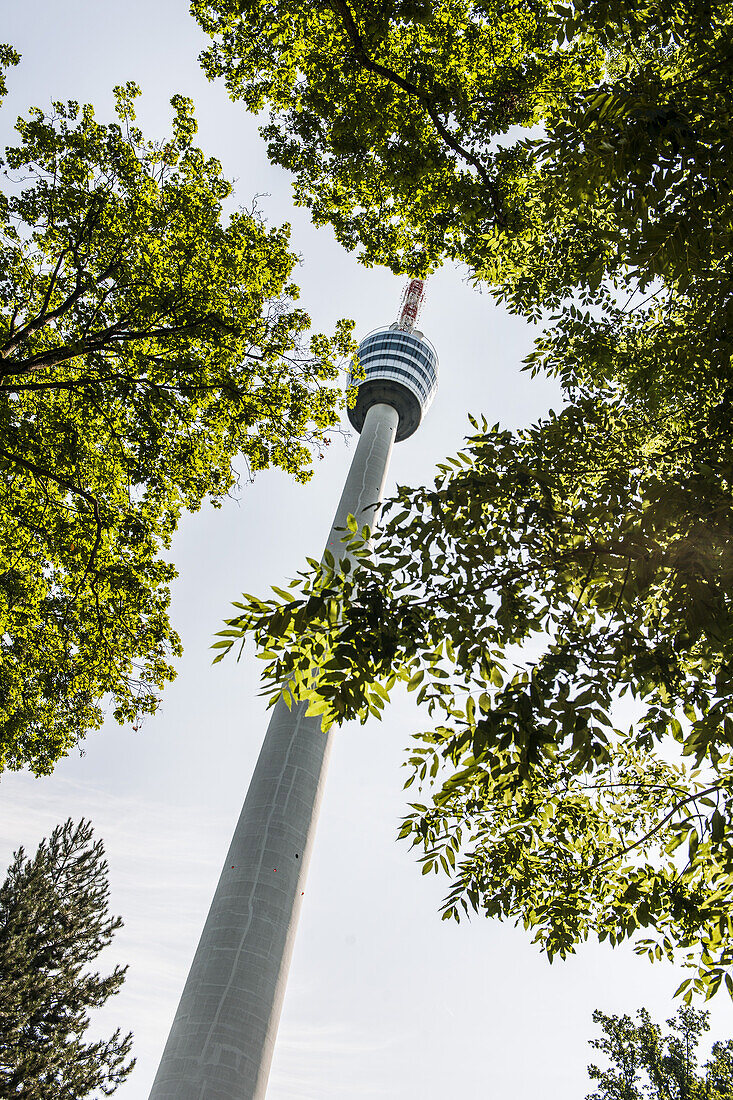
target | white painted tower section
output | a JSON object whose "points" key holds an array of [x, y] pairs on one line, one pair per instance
{"points": [[221, 1043]]}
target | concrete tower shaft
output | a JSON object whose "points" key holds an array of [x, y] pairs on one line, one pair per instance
{"points": [[221, 1043]]}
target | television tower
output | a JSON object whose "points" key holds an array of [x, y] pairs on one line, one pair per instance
{"points": [[221, 1043]]}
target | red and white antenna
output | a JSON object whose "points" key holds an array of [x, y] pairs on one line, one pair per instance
{"points": [[412, 299]]}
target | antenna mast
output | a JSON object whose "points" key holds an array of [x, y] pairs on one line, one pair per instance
{"points": [[413, 297]]}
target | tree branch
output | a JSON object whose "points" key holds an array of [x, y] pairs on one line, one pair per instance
{"points": [[64, 483], [45, 315], [42, 319], [341, 7], [106, 338], [648, 835]]}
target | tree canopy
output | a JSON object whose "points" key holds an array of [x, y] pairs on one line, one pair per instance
{"points": [[150, 351], [54, 921], [646, 1064], [547, 573], [387, 113], [521, 599], [536, 142], [575, 157]]}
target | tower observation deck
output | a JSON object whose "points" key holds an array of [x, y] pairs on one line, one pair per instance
{"points": [[222, 1039], [400, 368]]}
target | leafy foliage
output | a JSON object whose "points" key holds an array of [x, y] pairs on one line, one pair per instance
{"points": [[53, 923], [645, 1064], [146, 341], [388, 113], [631, 97], [576, 157], [8, 57], [547, 573], [521, 598]]}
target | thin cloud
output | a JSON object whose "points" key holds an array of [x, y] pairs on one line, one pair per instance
{"points": [[318, 1061]]}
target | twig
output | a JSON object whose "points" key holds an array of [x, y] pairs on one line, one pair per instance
{"points": [[647, 836]]}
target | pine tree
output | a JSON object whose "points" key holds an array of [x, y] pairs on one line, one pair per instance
{"points": [[54, 921]]}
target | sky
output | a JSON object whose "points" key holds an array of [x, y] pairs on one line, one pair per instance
{"points": [[384, 999]]}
